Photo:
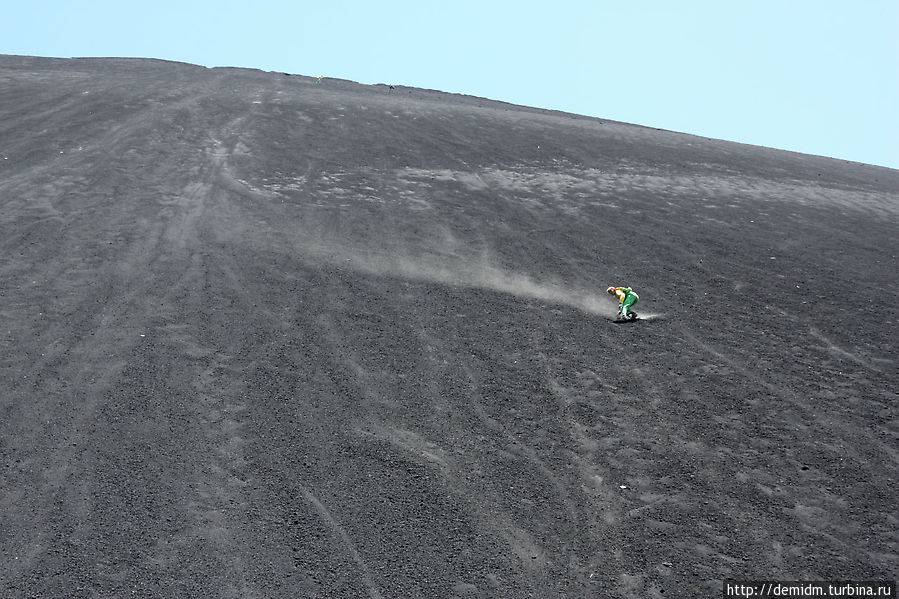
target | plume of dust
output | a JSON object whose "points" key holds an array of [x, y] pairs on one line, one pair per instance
{"points": [[447, 260], [480, 275]]}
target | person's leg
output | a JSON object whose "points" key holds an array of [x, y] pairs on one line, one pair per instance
{"points": [[629, 301]]}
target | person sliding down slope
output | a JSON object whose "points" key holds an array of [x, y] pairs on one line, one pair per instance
{"points": [[627, 297]]}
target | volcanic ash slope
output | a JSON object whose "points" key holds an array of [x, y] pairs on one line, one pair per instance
{"points": [[262, 337]]}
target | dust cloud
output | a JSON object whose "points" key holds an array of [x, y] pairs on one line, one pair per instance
{"points": [[480, 274]]}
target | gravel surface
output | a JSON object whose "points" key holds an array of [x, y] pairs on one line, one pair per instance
{"points": [[262, 337]]}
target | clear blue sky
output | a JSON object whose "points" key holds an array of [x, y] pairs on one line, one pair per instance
{"points": [[814, 76]]}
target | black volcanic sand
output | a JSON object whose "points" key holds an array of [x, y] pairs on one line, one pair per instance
{"points": [[261, 337]]}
